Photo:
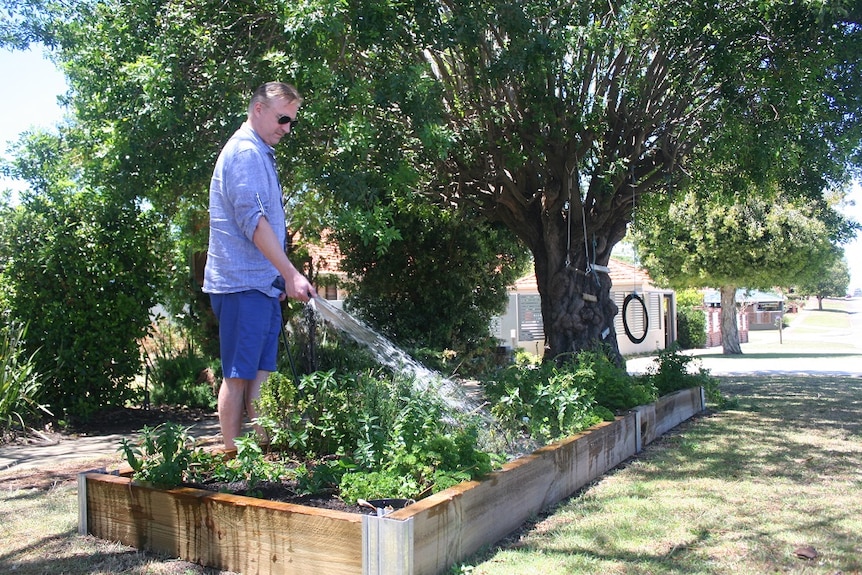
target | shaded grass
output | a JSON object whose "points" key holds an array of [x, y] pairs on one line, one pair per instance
{"points": [[38, 535], [731, 492]]}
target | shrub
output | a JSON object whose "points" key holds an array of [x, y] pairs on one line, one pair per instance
{"points": [[545, 402], [673, 371], [691, 327], [176, 373], [19, 382], [83, 269], [550, 401], [612, 386]]}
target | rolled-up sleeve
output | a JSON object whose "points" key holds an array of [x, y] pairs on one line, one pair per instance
{"points": [[245, 181]]}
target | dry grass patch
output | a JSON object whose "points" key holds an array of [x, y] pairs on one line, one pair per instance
{"points": [[38, 535]]}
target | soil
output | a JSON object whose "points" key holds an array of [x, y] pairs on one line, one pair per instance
{"points": [[285, 492], [131, 420]]}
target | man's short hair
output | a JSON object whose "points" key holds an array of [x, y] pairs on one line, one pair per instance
{"points": [[274, 91]]}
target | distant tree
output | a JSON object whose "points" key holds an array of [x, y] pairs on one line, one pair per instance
{"points": [[833, 281], [751, 241]]}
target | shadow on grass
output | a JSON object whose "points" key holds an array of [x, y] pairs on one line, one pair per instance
{"points": [[723, 488], [71, 554]]}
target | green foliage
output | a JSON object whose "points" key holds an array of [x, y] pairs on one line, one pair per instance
{"points": [[451, 275], [691, 327], [391, 440], [490, 105], [249, 465], [179, 376], [418, 464], [673, 370], [832, 282], [545, 402], [553, 400], [19, 381], [611, 385], [705, 239], [162, 456], [83, 269]]}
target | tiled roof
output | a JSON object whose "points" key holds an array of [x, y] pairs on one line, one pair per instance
{"points": [[622, 274]]}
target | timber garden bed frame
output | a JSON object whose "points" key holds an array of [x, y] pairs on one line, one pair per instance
{"points": [[256, 536]]}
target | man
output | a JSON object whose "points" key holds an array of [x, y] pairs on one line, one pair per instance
{"points": [[247, 272]]}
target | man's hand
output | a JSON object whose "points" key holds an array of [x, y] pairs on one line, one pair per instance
{"points": [[298, 287]]}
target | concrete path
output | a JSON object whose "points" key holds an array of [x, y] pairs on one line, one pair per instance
{"points": [[800, 350], [70, 450]]}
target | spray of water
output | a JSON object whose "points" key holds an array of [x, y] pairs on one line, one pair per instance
{"points": [[453, 394], [388, 354]]}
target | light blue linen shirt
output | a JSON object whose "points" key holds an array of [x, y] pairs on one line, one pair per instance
{"points": [[243, 188]]}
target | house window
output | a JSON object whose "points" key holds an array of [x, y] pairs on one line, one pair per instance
{"points": [[330, 292]]}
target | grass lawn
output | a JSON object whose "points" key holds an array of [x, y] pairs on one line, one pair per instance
{"points": [[738, 491]]}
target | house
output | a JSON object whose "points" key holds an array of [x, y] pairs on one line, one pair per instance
{"points": [[324, 258], [648, 324], [759, 310]]}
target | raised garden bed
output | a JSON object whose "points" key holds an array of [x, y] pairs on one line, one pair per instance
{"points": [[251, 535]]}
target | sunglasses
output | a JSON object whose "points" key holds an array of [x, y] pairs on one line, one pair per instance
{"points": [[287, 120]]}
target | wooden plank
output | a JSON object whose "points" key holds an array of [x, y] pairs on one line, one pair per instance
{"points": [[271, 538], [658, 418], [225, 531], [455, 523], [674, 408]]}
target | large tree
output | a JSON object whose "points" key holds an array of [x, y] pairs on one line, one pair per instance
{"points": [[559, 118], [748, 241], [554, 118]]}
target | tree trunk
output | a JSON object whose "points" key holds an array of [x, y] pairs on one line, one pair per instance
{"points": [[729, 327], [577, 309]]}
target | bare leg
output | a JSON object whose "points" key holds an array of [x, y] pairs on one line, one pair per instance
{"points": [[231, 404], [252, 394]]}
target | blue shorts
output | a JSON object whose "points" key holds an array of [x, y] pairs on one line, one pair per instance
{"points": [[249, 326]]}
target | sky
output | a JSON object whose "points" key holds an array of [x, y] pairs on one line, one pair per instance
{"points": [[36, 106]]}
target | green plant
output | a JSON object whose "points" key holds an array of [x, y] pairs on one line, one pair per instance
{"points": [[673, 370], [177, 373], [390, 439], [83, 269], [162, 456], [691, 327], [249, 465], [549, 401], [19, 382]]}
